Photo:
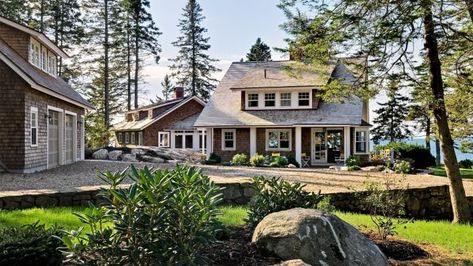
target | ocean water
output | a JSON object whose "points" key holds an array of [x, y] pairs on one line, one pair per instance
{"points": [[421, 141]]}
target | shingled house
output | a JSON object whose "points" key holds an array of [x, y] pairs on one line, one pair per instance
{"points": [[41, 116], [260, 107], [168, 124]]}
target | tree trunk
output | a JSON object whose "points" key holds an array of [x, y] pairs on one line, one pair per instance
{"points": [[137, 49], [42, 16], [427, 132], [469, 5], [106, 69], [438, 154], [460, 206], [128, 62]]}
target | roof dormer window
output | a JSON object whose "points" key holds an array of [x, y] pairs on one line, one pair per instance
{"points": [[278, 99], [42, 58]]}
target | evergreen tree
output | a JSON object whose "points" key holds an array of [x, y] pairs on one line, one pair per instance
{"points": [[391, 117], [193, 67], [167, 87], [259, 52]]}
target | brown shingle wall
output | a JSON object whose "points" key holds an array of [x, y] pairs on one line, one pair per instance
{"points": [[150, 134], [12, 118], [306, 137], [16, 39], [242, 143], [36, 157]]}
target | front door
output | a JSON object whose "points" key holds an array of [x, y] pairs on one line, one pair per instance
{"points": [[53, 139], [334, 145], [319, 146]]}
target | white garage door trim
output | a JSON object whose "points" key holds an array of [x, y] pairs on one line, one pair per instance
{"points": [[61, 135], [74, 136]]}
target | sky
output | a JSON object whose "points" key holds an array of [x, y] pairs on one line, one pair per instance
{"points": [[233, 27]]}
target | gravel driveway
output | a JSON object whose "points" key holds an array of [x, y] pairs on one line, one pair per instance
{"points": [[83, 174]]}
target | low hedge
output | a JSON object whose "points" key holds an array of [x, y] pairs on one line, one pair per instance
{"points": [[420, 155]]}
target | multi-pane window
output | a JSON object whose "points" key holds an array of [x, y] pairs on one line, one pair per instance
{"points": [[163, 138], [34, 126], [253, 100], [140, 138], [270, 99], [361, 141], [42, 58], [120, 137], [127, 138], [278, 139], [285, 99], [228, 139], [133, 138], [304, 99]]}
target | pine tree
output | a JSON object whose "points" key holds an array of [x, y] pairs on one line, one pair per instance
{"points": [[167, 87], [391, 117], [259, 52], [193, 67]]}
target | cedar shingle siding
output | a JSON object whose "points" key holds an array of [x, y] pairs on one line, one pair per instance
{"points": [[16, 39]]}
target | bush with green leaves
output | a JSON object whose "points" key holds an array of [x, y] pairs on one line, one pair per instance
{"points": [[257, 160], [279, 161], [420, 155], [213, 159], [386, 204], [292, 160], [274, 194], [32, 244], [466, 163], [165, 217], [402, 167], [352, 160], [354, 168], [240, 159]]}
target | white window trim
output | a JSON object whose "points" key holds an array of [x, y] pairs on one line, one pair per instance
{"points": [[61, 118], [294, 99], [35, 111], [74, 134], [278, 130], [120, 137], [223, 139], [133, 138], [140, 138], [127, 137], [161, 133], [367, 141]]}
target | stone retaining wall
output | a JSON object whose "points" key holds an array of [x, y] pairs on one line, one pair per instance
{"points": [[425, 203]]}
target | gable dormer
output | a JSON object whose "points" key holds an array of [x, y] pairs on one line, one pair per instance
{"points": [[42, 57]]}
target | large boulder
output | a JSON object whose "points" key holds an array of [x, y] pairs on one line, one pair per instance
{"points": [[115, 155], [152, 159], [129, 157], [297, 262], [101, 154], [137, 151], [317, 238]]}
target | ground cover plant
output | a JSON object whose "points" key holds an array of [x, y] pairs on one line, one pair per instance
{"points": [[440, 171]]}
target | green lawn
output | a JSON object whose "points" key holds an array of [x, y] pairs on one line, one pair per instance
{"points": [[458, 239], [440, 171]]}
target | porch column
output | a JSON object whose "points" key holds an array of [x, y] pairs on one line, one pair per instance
{"points": [[195, 140], [298, 144], [346, 142], [252, 141], [203, 140], [209, 143]]}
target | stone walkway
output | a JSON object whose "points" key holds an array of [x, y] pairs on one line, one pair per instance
{"points": [[83, 175]]}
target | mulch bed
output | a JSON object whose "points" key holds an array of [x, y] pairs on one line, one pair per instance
{"points": [[235, 248]]}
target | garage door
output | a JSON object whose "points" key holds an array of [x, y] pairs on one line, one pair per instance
{"points": [[69, 138], [53, 139]]}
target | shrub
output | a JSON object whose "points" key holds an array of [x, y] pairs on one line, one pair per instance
{"points": [[274, 194], [380, 168], [403, 167], [213, 159], [420, 155], [165, 217], [32, 244], [257, 160], [386, 205], [279, 161], [240, 159], [466, 163], [352, 161], [354, 168], [292, 160]]}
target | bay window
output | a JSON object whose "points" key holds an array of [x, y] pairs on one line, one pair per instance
{"points": [[278, 139]]}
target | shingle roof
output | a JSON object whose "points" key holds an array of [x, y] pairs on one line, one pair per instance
{"points": [[40, 78], [224, 107], [184, 124]]}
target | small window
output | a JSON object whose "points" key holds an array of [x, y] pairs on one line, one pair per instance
{"points": [[34, 126], [304, 99], [163, 138], [140, 138], [120, 137], [133, 138], [278, 139], [270, 99], [253, 100], [228, 139], [127, 138], [285, 99], [44, 59], [361, 141]]}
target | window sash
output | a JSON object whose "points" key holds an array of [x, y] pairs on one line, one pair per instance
{"points": [[270, 99], [133, 138], [361, 141], [278, 139], [228, 139], [304, 99], [127, 138], [253, 99], [163, 138], [285, 100], [34, 126]]}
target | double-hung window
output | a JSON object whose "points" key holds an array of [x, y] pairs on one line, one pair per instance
{"points": [[304, 99], [270, 99], [133, 138], [253, 100], [163, 138], [361, 141], [34, 126], [228, 139], [127, 138], [278, 139], [140, 138], [120, 137], [285, 100]]}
